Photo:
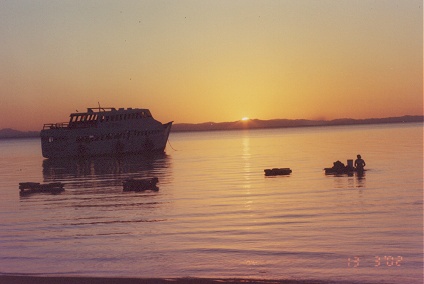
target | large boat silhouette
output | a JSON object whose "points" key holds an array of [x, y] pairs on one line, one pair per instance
{"points": [[105, 131]]}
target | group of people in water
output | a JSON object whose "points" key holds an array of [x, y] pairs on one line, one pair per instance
{"points": [[340, 168]]}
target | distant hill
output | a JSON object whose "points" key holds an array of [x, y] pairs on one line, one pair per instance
{"points": [[11, 133], [284, 123], [250, 124]]}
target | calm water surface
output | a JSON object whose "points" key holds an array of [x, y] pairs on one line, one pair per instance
{"points": [[217, 215]]}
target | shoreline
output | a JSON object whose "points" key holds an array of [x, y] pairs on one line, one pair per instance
{"points": [[27, 279]]}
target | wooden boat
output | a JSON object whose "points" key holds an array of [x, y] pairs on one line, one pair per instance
{"points": [[277, 171], [141, 184], [36, 187]]}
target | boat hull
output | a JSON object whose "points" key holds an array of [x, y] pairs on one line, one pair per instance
{"points": [[27, 188], [101, 141], [277, 171]]}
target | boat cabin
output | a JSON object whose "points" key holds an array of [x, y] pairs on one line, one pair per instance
{"points": [[100, 115]]}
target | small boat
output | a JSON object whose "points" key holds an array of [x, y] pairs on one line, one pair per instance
{"points": [[339, 168], [338, 171], [36, 187], [105, 131], [277, 171], [141, 184], [346, 171]]}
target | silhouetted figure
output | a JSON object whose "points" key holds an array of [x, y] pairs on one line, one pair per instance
{"points": [[339, 167], [359, 163]]}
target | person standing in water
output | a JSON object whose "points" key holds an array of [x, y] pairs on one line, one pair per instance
{"points": [[359, 163]]}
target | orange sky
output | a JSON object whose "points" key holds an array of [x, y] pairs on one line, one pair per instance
{"points": [[218, 60]]}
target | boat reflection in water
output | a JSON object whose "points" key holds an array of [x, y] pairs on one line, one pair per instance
{"points": [[106, 172], [94, 205]]}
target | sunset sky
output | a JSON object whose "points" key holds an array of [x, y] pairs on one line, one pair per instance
{"points": [[210, 60]]}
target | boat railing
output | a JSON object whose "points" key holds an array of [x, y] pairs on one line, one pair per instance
{"points": [[56, 125]]}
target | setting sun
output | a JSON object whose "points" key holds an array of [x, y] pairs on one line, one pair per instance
{"points": [[230, 51]]}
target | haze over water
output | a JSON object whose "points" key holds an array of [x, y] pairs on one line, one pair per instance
{"points": [[217, 215]]}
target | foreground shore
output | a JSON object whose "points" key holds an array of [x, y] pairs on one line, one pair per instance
{"points": [[12, 279]]}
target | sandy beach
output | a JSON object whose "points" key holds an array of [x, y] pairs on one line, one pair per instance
{"points": [[16, 279]]}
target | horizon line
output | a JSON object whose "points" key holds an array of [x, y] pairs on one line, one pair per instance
{"points": [[321, 122]]}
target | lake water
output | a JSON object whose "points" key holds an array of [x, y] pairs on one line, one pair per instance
{"points": [[217, 215]]}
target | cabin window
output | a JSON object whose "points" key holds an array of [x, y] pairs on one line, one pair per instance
{"points": [[55, 139]]}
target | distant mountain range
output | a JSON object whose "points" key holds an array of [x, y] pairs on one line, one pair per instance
{"points": [[284, 123], [12, 133], [250, 124]]}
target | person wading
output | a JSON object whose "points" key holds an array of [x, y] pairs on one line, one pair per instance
{"points": [[359, 164]]}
